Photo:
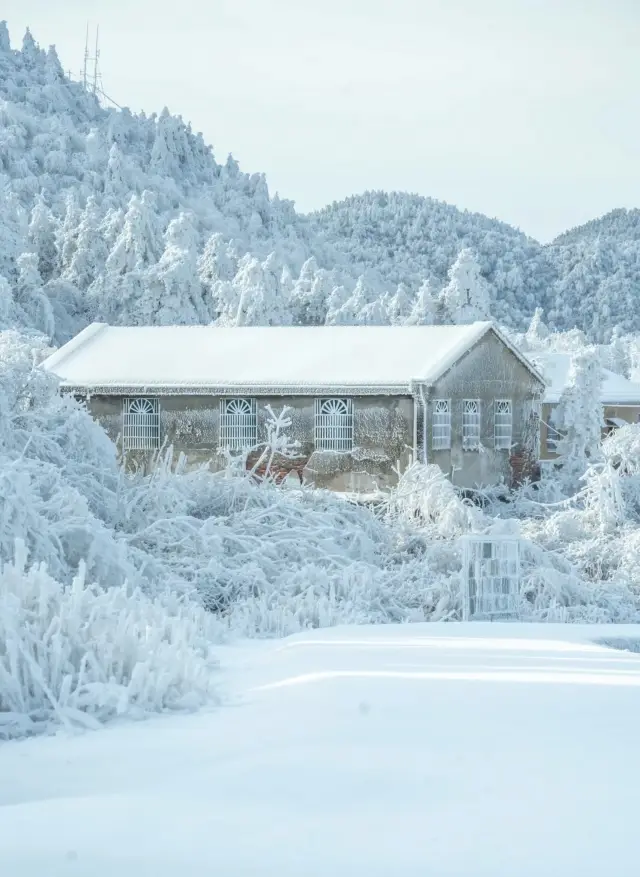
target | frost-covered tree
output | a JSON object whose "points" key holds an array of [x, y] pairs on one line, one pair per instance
{"points": [[172, 292], [13, 234], [338, 297], [399, 306], [90, 253], [254, 297], [363, 307], [30, 296], [8, 315], [426, 308], [617, 356], [42, 239], [466, 295], [579, 415], [537, 333], [66, 232], [138, 246], [310, 295]]}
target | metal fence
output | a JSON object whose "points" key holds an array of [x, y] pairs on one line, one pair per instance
{"points": [[490, 577]]}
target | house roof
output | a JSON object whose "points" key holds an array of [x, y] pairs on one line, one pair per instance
{"points": [[615, 389], [262, 359]]}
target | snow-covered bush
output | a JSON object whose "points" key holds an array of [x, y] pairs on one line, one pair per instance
{"points": [[79, 655]]}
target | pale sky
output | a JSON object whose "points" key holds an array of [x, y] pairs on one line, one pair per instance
{"points": [[527, 110]]}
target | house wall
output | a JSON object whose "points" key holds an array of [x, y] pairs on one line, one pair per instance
{"points": [[629, 413], [489, 371], [546, 418], [383, 436]]}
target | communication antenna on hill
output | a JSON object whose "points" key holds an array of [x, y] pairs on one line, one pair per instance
{"points": [[91, 76]]}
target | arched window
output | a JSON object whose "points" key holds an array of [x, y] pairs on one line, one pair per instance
{"points": [[441, 424], [238, 424], [503, 424], [470, 424], [140, 424], [334, 425]]}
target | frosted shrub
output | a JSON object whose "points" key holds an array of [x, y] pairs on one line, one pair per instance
{"points": [[426, 497], [78, 655]]}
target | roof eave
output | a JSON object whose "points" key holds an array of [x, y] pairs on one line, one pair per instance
{"points": [[98, 389]]}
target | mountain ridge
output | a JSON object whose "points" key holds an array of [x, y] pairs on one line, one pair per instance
{"points": [[107, 214]]}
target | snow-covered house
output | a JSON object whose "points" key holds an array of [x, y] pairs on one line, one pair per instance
{"points": [[364, 400], [618, 396]]}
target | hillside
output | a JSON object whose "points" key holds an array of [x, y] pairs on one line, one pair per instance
{"points": [[598, 275], [129, 218], [408, 238]]}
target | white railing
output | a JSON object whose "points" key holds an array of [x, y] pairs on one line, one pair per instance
{"points": [[333, 424]]}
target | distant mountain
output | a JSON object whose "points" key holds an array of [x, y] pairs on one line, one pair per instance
{"points": [[105, 214], [408, 238], [598, 275]]}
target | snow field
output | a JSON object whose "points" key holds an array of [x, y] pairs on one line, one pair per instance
{"points": [[469, 750]]}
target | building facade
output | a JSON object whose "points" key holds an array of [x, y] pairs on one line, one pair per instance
{"points": [[363, 402], [619, 400]]}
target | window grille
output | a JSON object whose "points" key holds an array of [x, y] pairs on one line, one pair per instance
{"points": [[503, 424], [140, 424], [554, 437], [471, 424], [441, 438], [238, 424], [491, 577], [334, 424]]}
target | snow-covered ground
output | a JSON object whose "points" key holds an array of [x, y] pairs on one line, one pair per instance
{"points": [[416, 750]]}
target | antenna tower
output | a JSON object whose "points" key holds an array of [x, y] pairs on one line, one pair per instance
{"points": [[91, 77]]}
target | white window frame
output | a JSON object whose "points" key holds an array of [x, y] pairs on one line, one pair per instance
{"points": [[333, 424], [552, 439], [140, 423], [238, 423], [503, 424], [441, 425], [471, 424]]}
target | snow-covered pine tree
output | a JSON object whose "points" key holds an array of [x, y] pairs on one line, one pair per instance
{"points": [[579, 415], [466, 295], [310, 295], [118, 291], [426, 308], [66, 231], [399, 306], [30, 296], [537, 333], [41, 237], [338, 297], [90, 254], [363, 307], [171, 289], [8, 315]]}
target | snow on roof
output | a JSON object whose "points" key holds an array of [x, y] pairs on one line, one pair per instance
{"points": [[616, 389], [199, 358]]}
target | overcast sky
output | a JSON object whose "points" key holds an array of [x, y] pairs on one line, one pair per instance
{"points": [[527, 110]]}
